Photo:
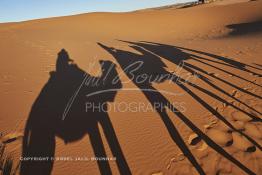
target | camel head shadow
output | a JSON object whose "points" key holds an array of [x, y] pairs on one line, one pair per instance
{"points": [[61, 110]]}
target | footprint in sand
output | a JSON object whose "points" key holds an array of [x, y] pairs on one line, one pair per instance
{"points": [[222, 127], [239, 125], [235, 94], [221, 133], [193, 139], [253, 130], [8, 138], [177, 158], [240, 116], [241, 143], [222, 138]]}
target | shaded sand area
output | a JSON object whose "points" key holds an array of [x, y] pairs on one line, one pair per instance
{"points": [[211, 119]]}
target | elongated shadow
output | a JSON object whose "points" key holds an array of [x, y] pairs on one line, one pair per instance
{"points": [[153, 67], [176, 55], [62, 109]]}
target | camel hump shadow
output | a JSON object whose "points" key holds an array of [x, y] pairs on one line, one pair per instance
{"points": [[60, 110]]}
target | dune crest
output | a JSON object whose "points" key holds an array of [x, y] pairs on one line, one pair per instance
{"points": [[202, 69]]}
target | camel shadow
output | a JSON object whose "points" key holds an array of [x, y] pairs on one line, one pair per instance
{"points": [[149, 64], [63, 109]]}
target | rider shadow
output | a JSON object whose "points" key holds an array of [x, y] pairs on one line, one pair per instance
{"points": [[177, 55], [70, 106], [152, 67]]}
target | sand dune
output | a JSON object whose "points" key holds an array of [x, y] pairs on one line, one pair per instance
{"points": [[220, 104]]}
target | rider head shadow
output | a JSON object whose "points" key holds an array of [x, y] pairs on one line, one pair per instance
{"points": [[70, 106]]}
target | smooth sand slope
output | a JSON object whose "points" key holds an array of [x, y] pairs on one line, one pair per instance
{"points": [[215, 127]]}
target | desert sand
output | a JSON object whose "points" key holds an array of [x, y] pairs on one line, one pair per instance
{"points": [[219, 107]]}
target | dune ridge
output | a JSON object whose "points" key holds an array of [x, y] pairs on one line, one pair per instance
{"points": [[219, 45]]}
